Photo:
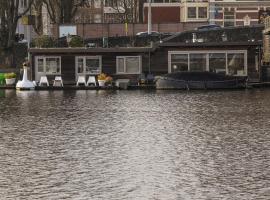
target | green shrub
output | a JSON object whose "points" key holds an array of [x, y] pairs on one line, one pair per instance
{"points": [[76, 41], [44, 42], [10, 75]]}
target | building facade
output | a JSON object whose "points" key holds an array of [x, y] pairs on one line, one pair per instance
{"points": [[237, 12]]}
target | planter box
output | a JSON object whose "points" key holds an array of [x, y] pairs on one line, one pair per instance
{"points": [[10, 81], [101, 83]]}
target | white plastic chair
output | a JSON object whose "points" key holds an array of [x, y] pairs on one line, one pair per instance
{"points": [[58, 81], [91, 80], [43, 80], [81, 80]]}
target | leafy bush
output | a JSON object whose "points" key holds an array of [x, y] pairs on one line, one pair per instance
{"points": [[10, 75], [76, 41], [44, 42], [102, 77]]}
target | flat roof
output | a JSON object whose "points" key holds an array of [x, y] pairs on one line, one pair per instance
{"points": [[210, 44], [91, 50]]}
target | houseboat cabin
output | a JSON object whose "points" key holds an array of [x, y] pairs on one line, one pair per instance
{"points": [[231, 51]]}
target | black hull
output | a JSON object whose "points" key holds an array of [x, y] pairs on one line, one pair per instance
{"points": [[168, 83]]}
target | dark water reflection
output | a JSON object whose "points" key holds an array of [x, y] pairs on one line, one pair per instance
{"points": [[135, 145]]}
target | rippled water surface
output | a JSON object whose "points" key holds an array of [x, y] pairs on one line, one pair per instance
{"points": [[156, 145]]}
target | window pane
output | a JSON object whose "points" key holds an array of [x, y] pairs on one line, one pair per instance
{"points": [[229, 18], [217, 63], [52, 65], [236, 64], [202, 12], [120, 65], [198, 62], [132, 65], [92, 66], [179, 62], [191, 12], [40, 65], [80, 65]]}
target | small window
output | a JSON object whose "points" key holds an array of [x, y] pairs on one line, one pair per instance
{"points": [[88, 65], [192, 12], [128, 65], [202, 12], [48, 65]]}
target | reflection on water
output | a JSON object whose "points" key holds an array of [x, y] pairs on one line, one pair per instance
{"points": [[135, 145]]}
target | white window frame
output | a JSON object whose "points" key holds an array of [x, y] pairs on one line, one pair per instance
{"points": [[84, 64], [226, 52], [197, 18], [44, 65], [125, 69]]}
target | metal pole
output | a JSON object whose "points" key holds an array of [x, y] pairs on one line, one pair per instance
{"points": [[149, 18]]}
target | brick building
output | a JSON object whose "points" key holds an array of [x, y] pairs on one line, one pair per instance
{"points": [[237, 12]]}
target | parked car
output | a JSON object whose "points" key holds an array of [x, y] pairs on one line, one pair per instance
{"points": [[208, 27], [153, 33]]}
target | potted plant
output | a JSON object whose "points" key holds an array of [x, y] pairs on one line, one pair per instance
{"points": [[10, 78], [101, 79], [109, 80]]}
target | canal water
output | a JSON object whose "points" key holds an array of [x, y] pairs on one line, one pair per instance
{"points": [[141, 145]]}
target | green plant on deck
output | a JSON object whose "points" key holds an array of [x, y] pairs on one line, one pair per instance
{"points": [[10, 75], [76, 41], [44, 41]]}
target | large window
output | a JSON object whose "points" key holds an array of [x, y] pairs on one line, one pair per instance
{"points": [[236, 64], [179, 62], [217, 63], [231, 62], [88, 65], [197, 62], [48, 65], [128, 64]]}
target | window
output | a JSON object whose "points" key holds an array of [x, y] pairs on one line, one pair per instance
{"points": [[128, 65], [197, 62], [192, 12], [202, 12], [88, 65], [48, 65], [236, 64], [229, 18], [217, 62], [231, 62], [179, 62]]}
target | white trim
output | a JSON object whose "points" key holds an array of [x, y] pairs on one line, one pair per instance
{"points": [[207, 57], [84, 65], [39, 74], [146, 5], [125, 69]]}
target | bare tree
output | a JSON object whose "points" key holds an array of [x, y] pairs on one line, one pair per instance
{"points": [[63, 11], [37, 10], [9, 16]]}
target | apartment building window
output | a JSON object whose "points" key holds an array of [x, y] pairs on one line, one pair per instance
{"points": [[229, 18], [202, 12], [197, 12], [192, 12]]}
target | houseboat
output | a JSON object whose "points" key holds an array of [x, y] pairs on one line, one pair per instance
{"points": [[227, 51]]}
